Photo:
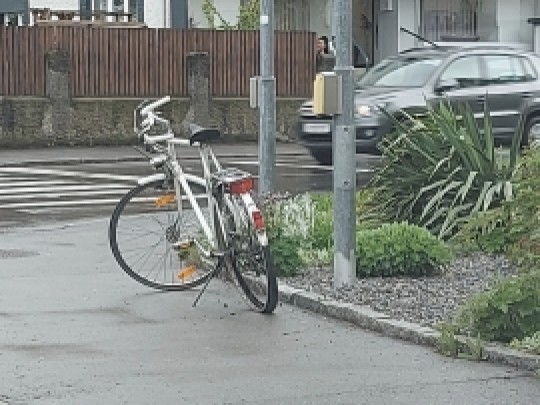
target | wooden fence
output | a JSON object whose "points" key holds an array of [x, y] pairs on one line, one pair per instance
{"points": [[142, 62]]}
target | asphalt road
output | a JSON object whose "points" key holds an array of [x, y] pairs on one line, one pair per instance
{"points": [[47, 192], [76, 330]]}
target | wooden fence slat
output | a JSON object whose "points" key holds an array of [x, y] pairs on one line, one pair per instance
{"points": [[148, 62]]}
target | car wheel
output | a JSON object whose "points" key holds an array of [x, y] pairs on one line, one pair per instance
{"points": [[324, 157], [531, 137]]}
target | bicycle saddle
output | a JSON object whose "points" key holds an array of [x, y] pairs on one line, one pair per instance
{"points": [[203, 135]]}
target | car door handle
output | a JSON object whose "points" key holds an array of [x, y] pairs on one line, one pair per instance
{"points": [[481, 99], [528, 95]]}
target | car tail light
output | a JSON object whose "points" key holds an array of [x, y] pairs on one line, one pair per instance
{"points": [[258, 219], [244, 185]]}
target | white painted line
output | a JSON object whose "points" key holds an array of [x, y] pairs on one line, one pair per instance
{"points": [[33, 183], [67, 173], [65, 188], [58, 204], [26, 196], [309, 167]]}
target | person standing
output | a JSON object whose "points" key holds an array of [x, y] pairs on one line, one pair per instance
{"points": [[324, 60]]}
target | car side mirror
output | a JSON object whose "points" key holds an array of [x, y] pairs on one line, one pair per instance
{"points": [[446, 84]]}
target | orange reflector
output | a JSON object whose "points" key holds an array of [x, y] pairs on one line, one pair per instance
{"points": [[165, 200], [258, 219], [242, 186], [187, 272]]}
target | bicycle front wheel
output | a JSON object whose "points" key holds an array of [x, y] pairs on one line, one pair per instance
{"points": [[152, 240], [253, 266]]}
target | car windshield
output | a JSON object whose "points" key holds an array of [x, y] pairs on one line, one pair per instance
{"points": [[412, 71]]}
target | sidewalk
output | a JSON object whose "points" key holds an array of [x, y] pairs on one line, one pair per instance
{"points": [[103, 154]]}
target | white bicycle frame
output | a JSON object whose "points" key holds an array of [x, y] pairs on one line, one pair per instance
{"points": [[182, 179]]}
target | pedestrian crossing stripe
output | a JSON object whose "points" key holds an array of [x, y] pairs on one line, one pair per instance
{"points": [[68, 173]]}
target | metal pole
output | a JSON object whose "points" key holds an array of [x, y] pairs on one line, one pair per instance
{"points": [[344, 152], [267, 113]]}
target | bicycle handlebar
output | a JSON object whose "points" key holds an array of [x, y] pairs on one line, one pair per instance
{"points": [[152, 106]]}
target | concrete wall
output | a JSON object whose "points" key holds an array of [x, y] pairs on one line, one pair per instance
{"points": [[320, 17], [25, 121], [408, 17], [156, 14], [196, 16], [386, 37]]}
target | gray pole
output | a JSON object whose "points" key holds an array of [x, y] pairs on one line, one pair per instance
{"points": [[267, 119], [344, 152]]}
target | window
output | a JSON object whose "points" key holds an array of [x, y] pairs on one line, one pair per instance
{"points": [[506, 69], [465, 70], [85, 8], [450, 20], [118, 6], [401, 72], [136, 8]]}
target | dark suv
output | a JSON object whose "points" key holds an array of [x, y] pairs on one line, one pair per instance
{"points": [[504, 77]]}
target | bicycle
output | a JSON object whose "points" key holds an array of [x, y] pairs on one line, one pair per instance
{"points": [[200, 225]]}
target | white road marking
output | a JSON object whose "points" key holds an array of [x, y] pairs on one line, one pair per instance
{"points": [[31, 182], [308, 167], [68, 173], [26, 196], [87, 187], [114, 201]]}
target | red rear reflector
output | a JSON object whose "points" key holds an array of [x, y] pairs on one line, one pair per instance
{"points": [[242, 186], [258, 219]]}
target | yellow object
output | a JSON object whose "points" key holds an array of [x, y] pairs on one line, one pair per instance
{"points": [[165, 200], [187, 272], [327, 94]]}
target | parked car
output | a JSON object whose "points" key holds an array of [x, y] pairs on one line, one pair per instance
{"points": [[506, 78]]}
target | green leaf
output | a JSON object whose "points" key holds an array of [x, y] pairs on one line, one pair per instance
{"points": [[437, 197]]}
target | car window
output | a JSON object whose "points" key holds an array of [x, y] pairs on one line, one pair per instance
{"points": [[401, 72], [465, 70], [529, 68], [506, 69]]}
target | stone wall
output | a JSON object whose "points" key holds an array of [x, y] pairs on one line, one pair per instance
{"points": [[28, 121], [60, 120]]}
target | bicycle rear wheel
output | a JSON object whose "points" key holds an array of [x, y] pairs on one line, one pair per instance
{"points": [[149, 237], [252, 261]]}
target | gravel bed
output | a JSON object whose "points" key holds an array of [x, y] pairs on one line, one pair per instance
{"points": [[425, 300]]}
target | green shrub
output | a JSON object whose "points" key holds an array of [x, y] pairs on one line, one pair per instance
{"points": [[285, 253], [510, 310], [515, 226], [399, 249], [530, 344], [307, 223], [322, 233], [440, 168]]}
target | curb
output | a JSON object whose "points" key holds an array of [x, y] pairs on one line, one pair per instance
{"points": [[366, 318]]}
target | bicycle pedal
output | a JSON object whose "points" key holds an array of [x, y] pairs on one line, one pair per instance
{"points": [[165, 200], [186, 272]]}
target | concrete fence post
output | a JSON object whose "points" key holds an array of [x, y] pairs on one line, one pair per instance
{"points": [[198, 70], [57, 122]]}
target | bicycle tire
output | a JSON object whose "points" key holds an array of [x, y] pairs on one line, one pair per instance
{"points": [[139, 192], [262, 292]]}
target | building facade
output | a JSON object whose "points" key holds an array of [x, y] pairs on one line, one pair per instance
{"points": [[376, 23], [154, 13]]}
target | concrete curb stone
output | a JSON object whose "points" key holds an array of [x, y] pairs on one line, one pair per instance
{"points": [[367, 318]]}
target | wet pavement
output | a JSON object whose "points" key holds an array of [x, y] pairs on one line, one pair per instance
{"points": [[77, 330]]}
